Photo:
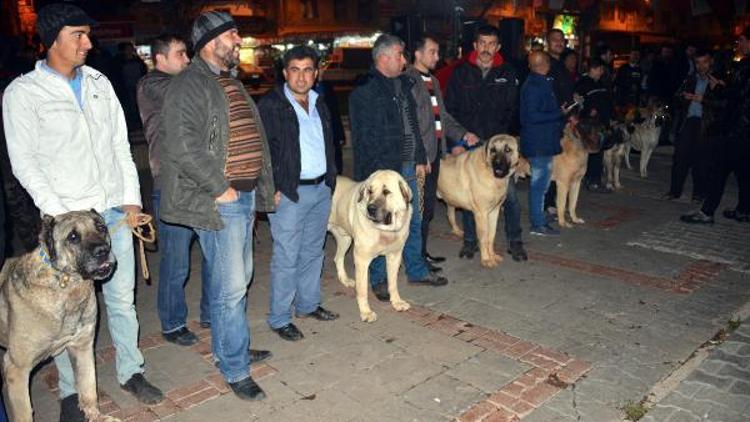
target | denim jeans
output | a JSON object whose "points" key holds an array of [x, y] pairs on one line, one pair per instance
{"points": [[511, 213], [230, 254], [118, 300], [299, 232], [416, 266], [174, 269], [541, 172]]}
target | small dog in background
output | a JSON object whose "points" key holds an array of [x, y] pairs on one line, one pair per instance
{"points": [[644, 135]]}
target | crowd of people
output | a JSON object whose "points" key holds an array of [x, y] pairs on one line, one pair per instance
{"points": [[217, 158]]}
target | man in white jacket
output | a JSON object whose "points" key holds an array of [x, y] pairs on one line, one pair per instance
{"points": [[68, 146]]}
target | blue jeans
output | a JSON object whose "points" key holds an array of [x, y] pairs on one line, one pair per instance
{"points": [[299, 232], [511, 213], [118, 299], [230, 254], [541, 172], [416, 267], [174, 269]]}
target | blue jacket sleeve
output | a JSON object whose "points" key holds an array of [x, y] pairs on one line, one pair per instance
{"points": [[534, 108]]}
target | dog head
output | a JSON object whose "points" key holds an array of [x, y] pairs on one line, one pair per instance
{"points": [[589, 132], [501, 153], [78, 242], [385, 199]]}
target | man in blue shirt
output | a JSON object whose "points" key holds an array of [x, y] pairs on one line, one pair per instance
{"points": [[298, 126]]}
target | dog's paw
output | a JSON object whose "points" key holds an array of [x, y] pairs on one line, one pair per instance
{"points": [[347, 282], [400, 305], [368, 316], [458, 233], [108, 419], [577, 220], [564, 223], [489, 263]]}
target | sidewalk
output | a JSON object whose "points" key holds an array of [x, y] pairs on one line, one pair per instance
{"points": [[591, 322]]}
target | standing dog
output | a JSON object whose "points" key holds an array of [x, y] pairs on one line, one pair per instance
{"points": [[375, 214], [569, 167], [614, 156], [644, 136], [478, 181], [48, 304]]}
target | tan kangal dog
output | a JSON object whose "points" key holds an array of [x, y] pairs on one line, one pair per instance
{"points": [[478, 181], [375, 214], [568, 168], [48, 305]]}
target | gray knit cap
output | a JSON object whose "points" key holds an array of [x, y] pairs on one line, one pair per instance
{"points": [[208, 26], [53, 17]]}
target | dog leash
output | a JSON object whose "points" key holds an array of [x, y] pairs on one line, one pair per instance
{"points": [[138, 223]]}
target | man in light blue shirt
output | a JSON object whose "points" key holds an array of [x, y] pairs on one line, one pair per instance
{"points": [[299, 131]]}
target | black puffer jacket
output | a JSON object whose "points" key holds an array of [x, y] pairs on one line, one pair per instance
{"points": [[282, 130], [737, 116], [483, 105], [712, 105], [378, 125]]}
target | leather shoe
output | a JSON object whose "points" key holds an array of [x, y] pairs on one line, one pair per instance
{"points": [[433, 268], [247, 389], [697, 218], [669, 196], [321, 314], [434, 259], [431, 280], [517, 252], [181, 337], [289, 332], [143, 390], [468, 251], [257, 356], [69, 410], [381, 292]]}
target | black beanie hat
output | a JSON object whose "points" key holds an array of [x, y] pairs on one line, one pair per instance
{"points": [[208, 26], [51, 19]]}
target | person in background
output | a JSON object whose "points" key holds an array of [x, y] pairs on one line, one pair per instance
{"points": [[598, 104], [570, 60], [628, 81]]}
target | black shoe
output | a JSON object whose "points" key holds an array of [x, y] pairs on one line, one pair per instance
{"points": [[468, 250], [434, 259], [517, 252], [669, 196], [697, 218], [69, 410], [289, 332], [143, 390], [381, 292], [433, 268], [731, 214], [257, 356], [431, 280], [181, 337], [321, 314], [247, 389], [205, 324]]}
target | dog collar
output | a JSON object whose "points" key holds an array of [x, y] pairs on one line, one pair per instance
{"points": [[65, 279]]}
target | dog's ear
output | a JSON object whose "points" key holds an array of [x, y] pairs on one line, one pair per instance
{"points": [[405, 191], [46, 236], [361, 195]]}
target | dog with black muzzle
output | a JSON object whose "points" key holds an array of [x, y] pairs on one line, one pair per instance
{"points": [[477, 180], [644, 133], [375, 215], [48, 305], [580, 138]]}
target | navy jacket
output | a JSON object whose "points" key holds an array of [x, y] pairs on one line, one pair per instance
{"points": [[541, 118]]}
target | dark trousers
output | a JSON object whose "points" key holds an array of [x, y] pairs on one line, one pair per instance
{"points": [[594, 169], [732, 158], [338, 152], [430, 199], [691, 152], [511, 212]]}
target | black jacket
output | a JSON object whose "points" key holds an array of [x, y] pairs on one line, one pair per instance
{"points": [[378, 126], [562, 82], [150, 95], [596, 96], [483, 105], [628, 84], [282, 130], [712, 104], [737, 116]]}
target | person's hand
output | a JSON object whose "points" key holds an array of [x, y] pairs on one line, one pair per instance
{"points": [[471, 139], [593, 112], [131, 209], [428, 168], [458, 150], [276, 198], [421, 170], [229, 195], [687, 95], [697, 98], [713, 81]]}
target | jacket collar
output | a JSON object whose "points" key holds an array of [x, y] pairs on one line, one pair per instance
{"points": [[86, 71], [497, 59]]}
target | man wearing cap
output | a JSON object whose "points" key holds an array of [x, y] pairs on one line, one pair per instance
{"points": [[68, 145], [215, 172]]}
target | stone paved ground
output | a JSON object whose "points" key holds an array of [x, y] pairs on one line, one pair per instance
{"points": [[589, 324]]}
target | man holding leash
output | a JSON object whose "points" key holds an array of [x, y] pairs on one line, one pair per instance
{"points": [[68, 145]]}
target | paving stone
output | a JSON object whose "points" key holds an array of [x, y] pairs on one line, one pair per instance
{"points": [[487, 371], [683, 416], [443, 394]]}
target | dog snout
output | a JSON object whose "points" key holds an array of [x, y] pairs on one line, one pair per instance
{"points": [[501, 166], [102, 251], [372, 210], [388, 218]]}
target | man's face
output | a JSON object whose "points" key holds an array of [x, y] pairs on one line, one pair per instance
{"points": [[300, 75], [392, 62], [486, 47], [556, 43], [428, 55], [607, 57], [743, 44], [703, 64], [596, 72], [690, 51], [571, 62], [635, 57], [72, 45], [176, 59], [666, 53], [227, 48]]}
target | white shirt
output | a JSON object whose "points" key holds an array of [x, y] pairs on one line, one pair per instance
{"points": [[69, 157]]}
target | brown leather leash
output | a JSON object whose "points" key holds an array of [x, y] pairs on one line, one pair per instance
{"points": [[142, 227]]}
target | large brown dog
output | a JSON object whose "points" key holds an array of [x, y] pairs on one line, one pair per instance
{"points": [[568, 168], [48, 305], [478, 181], [375, 214]]}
